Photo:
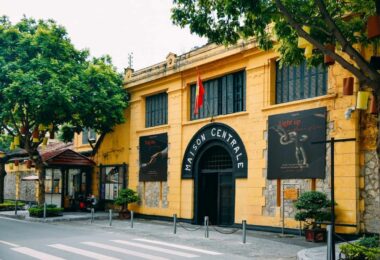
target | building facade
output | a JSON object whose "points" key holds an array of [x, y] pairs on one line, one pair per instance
{"points": [[251, 142]]}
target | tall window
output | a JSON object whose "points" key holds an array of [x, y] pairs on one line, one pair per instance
{"points": [[53, 181], [224, 95], [88, 134], [113, 179], [156, 110], [300, 82]]}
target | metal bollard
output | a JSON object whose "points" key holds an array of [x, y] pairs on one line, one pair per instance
{"points": [[329, 235], [16, 207], [45, 211], [92, 215], [131, 219], [175, 223], [244, 226], [300, 229], [206, 226], [110, 217]]}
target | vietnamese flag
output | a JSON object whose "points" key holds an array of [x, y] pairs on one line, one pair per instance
{"points": [[199, 93]]}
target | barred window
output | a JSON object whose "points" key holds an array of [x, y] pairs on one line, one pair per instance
{"points": [[156, 110], [224, 95], [300, 82]]}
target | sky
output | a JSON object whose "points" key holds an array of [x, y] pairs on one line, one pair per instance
{"points": [[114, 27]]}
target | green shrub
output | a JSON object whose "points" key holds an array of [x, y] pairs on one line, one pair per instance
{"points": [[51, 211], [125, 197], [366, 248], [10, 205], [312, 206]]}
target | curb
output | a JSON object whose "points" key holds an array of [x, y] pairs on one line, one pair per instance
{"points": [[53, 219]]}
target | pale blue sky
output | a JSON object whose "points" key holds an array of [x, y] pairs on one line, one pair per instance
{"points": [[114, 27]]}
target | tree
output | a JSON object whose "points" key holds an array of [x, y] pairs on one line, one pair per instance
{"points": [[337, 22], [4, 147], [45, 83]]}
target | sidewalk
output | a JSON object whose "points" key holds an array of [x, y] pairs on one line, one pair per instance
{"points": [[260, 243], [67, 216]]}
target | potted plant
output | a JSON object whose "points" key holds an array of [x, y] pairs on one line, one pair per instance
{"points": [[313, 207], [125, 197]]}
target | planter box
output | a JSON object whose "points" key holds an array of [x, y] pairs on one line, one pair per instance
{"points": [[315, 235]]}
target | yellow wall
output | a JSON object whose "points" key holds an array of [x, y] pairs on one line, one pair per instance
{"points": [[251, 125]]}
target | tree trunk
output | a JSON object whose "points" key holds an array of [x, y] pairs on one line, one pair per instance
{"points": [[2, 177], [40, 168]]}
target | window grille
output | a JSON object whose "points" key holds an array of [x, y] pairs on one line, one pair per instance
{"points": [[223, 95], [300, 82], [156, 110]]}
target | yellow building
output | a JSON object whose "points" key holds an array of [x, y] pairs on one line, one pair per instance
{"points": [[249, 143]]}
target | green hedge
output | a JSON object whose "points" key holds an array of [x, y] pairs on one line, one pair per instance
{"points": [[10, 205], [366, 248], [51, 211]]}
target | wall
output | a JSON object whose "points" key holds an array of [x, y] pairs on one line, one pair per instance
{"points": [[15, 188], [256, 197]]}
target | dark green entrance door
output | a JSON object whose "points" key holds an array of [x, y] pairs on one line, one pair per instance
{"points": [[215, 188]]}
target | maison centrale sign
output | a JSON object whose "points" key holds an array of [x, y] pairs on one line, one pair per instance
{"points": [[215, 134]]}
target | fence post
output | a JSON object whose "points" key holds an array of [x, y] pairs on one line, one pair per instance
{"points": [[45, 211], [132, 218], [16, 207], [206, 226], [110, 217], [92, 215], [175, 223], [244, 225], [329, 235]]}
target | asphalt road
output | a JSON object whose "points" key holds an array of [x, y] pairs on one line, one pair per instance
{"points": [[147, 240]]}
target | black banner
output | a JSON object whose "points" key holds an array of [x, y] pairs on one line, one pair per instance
{"points": [[154, 157], [218, 134], [291, 154]]}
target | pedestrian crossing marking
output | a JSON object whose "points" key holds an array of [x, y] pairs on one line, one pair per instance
{"points": [[178, 246], [8, 243], [83, 252], [154, 248], [124, 251], [35, 254]]}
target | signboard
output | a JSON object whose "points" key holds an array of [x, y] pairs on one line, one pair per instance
{"points": [[154, 157], [218, 134], [291, 193], [291, 154]]}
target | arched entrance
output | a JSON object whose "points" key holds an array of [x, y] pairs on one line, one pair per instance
{"points": [[215, 157], [215, 186]]}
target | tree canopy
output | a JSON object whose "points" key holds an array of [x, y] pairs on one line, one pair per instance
{"points": [[45, 83], [341, 23], [45, 80]]}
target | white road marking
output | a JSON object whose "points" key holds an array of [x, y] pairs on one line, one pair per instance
{"points": [[9, 244], [154, 248], [179, 246], [124, 251], [36, 254], [86, 253]]}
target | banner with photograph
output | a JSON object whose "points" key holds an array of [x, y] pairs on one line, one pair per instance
{"points": [[154, 157], [291, 154]]}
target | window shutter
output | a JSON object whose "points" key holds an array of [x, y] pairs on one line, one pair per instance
{"points": [[85, 136]]}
